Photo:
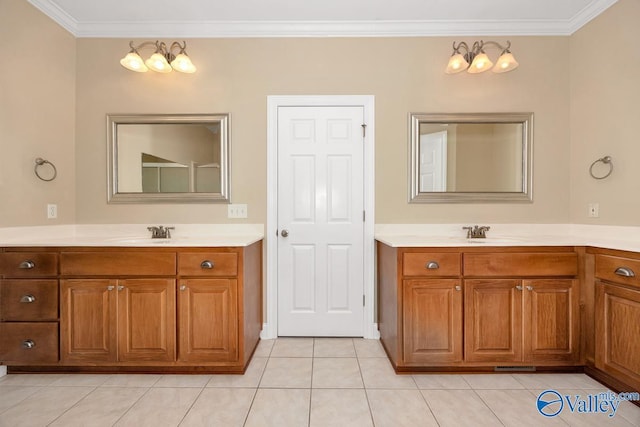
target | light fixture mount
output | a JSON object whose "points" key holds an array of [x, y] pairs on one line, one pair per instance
{"points": [[474, 59], [163, 60]]}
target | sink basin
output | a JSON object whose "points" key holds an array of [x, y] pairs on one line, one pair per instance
{"points": [[491, 240], [141, 241]]}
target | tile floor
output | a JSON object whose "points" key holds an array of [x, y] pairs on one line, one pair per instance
{"points": [[298, 382]]}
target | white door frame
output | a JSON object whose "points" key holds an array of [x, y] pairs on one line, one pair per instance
{"points": [[270, 327]]}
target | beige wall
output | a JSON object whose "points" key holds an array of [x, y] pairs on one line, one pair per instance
{"points": [[404, 74], [37, 115], [605, 113]]}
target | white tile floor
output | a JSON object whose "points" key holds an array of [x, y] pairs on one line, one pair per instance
{"points": [[298, 382]]}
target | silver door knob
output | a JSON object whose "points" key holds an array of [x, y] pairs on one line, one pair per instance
{"points": [[284, 233]]}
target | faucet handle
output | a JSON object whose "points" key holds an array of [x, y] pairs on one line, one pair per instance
{"points": [[469, 228], [168, 230]]}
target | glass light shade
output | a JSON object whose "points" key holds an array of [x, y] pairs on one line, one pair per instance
{"points": [[183, 64], [157, 62], [505, 63], [133, 62], [456, 64], [480, 64]]}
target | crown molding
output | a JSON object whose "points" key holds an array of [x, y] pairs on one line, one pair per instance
{"points": [[239, 29]]}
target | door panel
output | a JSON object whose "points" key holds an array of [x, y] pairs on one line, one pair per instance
{"points": [[208, 320], [551, 332], [146, 320], [493, 320], [88, 320], [320, 205]]}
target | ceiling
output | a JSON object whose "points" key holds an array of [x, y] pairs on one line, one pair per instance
{"points": [[290, 18]]}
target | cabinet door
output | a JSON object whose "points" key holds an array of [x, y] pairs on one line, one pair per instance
{"points": [[551, 323], [618, 332], [432, 321], [146, 320], [493, 320], [208, 320], [88, 320]]}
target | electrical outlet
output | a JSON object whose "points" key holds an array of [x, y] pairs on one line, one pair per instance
{"points": [[237, 211], [594, 210], [52, 211]]}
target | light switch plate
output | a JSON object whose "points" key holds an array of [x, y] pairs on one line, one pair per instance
{"points": [[237, 210]]}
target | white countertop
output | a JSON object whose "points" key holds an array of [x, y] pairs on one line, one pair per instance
{"points": [[132, 235], [501, 235]]}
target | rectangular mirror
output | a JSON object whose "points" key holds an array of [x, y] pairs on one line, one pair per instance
{"points": [[166, 158], [470, 158]]}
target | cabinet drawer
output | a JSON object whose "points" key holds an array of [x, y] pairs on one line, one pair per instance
{"points": [[207, 264], [28, 264], [118, 263], [430, 264], [521, 264], [618, 269], [28, 300], [28, 343]]}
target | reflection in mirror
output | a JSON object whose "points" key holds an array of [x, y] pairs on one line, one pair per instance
{"points": [[470, 157], [165, 158]]}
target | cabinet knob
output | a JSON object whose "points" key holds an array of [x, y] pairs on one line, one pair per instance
{"points": [[206, 264], [183, 287], [28, 344], [519, 287], [529, 288], [432, 265], [458, 288], [120, 287], [27, 264], [625, 272], [28, 299], [110, 288]]}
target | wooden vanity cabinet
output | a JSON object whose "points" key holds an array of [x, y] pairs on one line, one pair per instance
{"points": [[617, 317], [475, 307], [110, 314], [118, 320], [28, 307], [219, 305], [522, 308]]}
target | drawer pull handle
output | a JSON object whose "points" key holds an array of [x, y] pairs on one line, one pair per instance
{"points": [[27, 264], [28, 344], [206, 264], [519, 287], [432, 265], [28, 299], [625, 272]]}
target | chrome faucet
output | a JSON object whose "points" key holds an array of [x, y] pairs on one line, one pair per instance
{"points": [[476, 232], [160, 232]]}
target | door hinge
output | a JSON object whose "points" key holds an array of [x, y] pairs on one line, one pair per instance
{"points": [[364, 130], [364, 216], [363, 300]]}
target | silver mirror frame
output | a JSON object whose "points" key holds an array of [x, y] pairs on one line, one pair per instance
{"points": [[113, 196], [524, 196]]}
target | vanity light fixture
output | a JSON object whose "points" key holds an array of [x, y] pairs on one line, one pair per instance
{"points": [[475, 60], [163, 59]]}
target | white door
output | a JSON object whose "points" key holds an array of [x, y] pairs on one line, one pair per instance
{"points": [[320, 221], [433, 161]]}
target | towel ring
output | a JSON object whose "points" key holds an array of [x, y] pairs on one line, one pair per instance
{"points": [[39, 162], [606, 160]]}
